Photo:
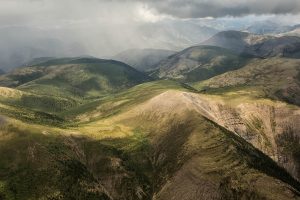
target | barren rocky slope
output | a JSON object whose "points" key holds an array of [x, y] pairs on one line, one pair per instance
{"points": [[273, 127]]}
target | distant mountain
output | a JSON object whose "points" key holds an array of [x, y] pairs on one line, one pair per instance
{"points": [[38, 60], [285, 46], [268, 27], [20, 44], [235, 40], [256, 45], [294, 32], [272, 28], [1, 71], [74, 77], [198, 63], [143, 59], [42, 60]]}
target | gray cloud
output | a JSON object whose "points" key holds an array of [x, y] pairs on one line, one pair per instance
{"points": [[222, 8]]}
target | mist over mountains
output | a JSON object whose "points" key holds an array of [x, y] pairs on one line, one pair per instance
{"points": [[20, 45], [98, 30]]}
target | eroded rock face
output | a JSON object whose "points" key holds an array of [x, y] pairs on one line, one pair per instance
{"points": [[272, 127]]}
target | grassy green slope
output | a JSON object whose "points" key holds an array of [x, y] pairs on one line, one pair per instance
{"points": [[38, 165], [122, 101], [77, 78], [33, 108], [40, 93], [276, 78], [199, 63], [62, 111], [63, 162]]}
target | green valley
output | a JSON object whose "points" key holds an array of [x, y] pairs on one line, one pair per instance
{"points": [[207, 123]]}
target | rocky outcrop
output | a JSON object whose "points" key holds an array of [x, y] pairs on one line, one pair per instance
{"points": [[272, 127]]}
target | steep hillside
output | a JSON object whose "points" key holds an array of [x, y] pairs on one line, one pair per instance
{"points": [[198, 63], [276, 78], [256, 45], [143, 59], [162, 148], [271, 126], [120, 102], [188, 149], [74, 77], [157, 140]]}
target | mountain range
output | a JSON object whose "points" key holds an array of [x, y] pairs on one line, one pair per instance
{"points": [[257, 45], [219, 120]]}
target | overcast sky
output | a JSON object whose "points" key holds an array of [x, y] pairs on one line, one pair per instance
{"points": [[105, 27]]}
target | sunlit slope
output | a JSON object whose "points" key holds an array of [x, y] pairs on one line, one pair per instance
{"points": [[122, 101], [47, 103], [185, 144], [64, 111], [162, 148], [33, 108], [275, 78], [206, 146], [49, 159]]}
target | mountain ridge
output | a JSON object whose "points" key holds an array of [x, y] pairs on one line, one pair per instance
{"points": [[75, 74], [256, 45], [213, 126], [198, 63]]}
